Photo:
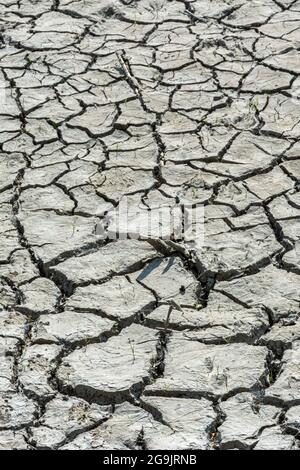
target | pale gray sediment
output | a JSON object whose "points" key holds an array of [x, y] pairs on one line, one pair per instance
{"points": [[149, 344]]}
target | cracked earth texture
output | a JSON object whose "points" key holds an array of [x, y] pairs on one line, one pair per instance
{"points": [[149, 344]]}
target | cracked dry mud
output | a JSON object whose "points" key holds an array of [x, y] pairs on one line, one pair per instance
{"points": [[144, 344]]}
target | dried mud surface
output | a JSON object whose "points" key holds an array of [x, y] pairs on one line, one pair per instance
{"points": [[149, 344]]}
